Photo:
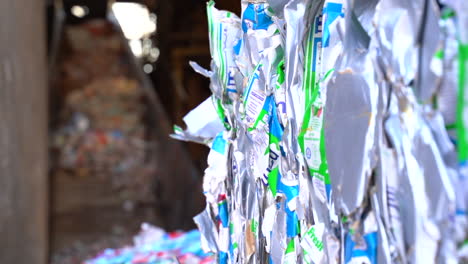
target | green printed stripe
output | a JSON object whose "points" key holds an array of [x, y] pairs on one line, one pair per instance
{"points": [[462, 106], [221, 114], [323, 169], [280, 71], [329, 72], [177, 129], [447, 13], [439, 54], [215, 31], [250, 83], [450, 126], [260, 117], [221, 55], [309, 84], [309, 55], [291, 247], [209, 11]]}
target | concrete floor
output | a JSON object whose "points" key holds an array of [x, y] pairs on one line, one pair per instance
{"points": [[82, 234]]}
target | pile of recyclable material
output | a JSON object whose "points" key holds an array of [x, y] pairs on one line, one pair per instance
{"points": [[154, 245], [338, 132], [101, 130]]}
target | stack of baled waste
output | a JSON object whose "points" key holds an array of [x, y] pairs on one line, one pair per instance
{"points": [[338, 132]]}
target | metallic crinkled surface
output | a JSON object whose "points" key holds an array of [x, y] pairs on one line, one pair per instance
{"points": [[340, 138]]}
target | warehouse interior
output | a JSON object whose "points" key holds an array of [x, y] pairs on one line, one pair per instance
{"points": [[143, 47], [90, 211], [278, 131]]}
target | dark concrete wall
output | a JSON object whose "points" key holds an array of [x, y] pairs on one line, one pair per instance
{"points": [[23, 132]]}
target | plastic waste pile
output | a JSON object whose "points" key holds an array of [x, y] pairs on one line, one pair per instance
{"points": [[338, 132], [101, 129], [104, 127], [153, 245]]}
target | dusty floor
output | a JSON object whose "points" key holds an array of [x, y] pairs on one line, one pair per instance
{"points": [[81, 235]]}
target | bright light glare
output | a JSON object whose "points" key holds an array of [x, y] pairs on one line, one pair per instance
{"points": [[154, 54], [148, 68], [135, 46], [135, 20], [79, 11]]}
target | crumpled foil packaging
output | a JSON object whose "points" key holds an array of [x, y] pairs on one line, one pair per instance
{"points": [[338, 132]]}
